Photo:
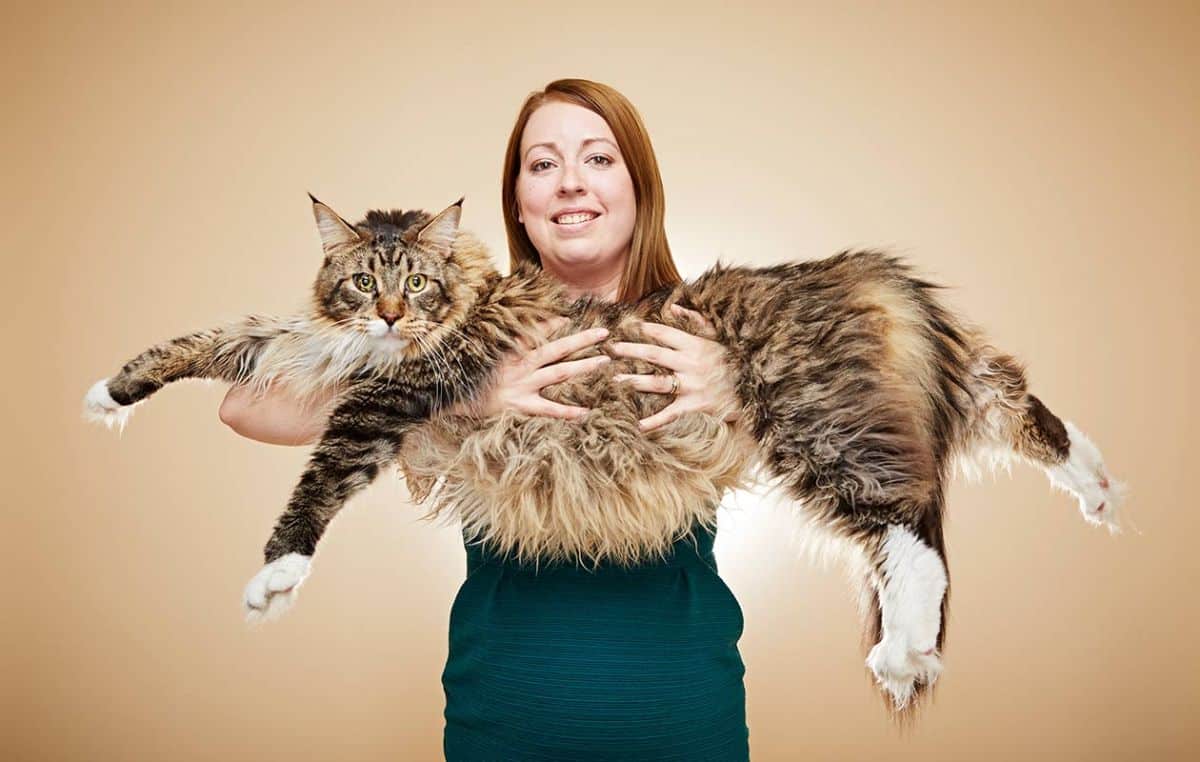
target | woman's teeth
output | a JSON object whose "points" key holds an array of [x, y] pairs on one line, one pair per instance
{"points": [[576, 218]]}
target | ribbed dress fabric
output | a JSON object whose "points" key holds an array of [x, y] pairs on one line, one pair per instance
{"points": [[563, 662]]}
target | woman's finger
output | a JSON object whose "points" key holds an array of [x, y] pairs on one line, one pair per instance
{"points": [[553, 351], [672, 337], [543, 327], [662, 417], [703, 326], [523, 345], [549, 325], [647, 382], [542, 406], [661, 356], [561, 371]]}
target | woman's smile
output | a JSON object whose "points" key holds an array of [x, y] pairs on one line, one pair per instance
{"points": [[572, 222]]}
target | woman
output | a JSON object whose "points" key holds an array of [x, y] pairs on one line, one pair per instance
{"points": [[560, 662]]}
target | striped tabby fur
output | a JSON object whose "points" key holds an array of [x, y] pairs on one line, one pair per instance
{"points": [[858, 392]]}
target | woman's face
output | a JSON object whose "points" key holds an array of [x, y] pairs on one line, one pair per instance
{"points": [[574, 193]]}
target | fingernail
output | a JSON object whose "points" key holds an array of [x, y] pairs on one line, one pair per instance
{"points": [[601, 359], [601, 332]]}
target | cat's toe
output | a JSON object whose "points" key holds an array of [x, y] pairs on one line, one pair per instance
{"points": [[899, 670], [1084, 475], [276, 605], [272, 591], [1100, 496], [927, 666], [100, 407], [892, 673], [1101, 506]]}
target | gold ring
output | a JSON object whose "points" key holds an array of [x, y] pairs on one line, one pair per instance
{"points": [[674, 383]]}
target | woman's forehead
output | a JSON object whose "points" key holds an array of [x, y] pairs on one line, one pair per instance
{"points": [[564, 126]]}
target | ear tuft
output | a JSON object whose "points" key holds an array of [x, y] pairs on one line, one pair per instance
{"points": [[439, 232], [335, 232]]}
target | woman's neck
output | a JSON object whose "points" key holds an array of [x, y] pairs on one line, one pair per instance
{"points": [[604, 285]]}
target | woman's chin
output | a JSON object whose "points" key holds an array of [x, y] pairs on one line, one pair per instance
{"points": [[576, 255]]}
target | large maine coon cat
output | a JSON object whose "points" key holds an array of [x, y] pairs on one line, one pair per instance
{"points": [[858, 390]]}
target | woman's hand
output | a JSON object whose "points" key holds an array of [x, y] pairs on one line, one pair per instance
{"points": [[521, 376], [705, 382]]}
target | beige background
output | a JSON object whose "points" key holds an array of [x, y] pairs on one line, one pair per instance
{"points": [[1042, 162]]}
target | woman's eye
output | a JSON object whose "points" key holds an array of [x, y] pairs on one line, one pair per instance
{"points": [[604, 160], [540, 164], [364, 282], [415, 283]]}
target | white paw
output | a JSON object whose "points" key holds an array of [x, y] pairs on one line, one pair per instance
{"points": [[899, 669], [272, 590], [1085, 476], [100, 407]]}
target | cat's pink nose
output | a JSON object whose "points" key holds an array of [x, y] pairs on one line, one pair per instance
{"points": [[389, 317]]}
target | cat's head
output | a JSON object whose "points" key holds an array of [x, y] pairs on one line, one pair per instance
{"points": [[400, 279]]}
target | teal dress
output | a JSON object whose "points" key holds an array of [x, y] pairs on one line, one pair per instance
{"points": [[566, 663]]}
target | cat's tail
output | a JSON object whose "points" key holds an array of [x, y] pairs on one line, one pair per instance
{"points": [[1007, 422]]}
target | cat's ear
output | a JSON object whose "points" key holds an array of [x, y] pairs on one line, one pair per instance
{"points": [[438, 233], [336, 233]]}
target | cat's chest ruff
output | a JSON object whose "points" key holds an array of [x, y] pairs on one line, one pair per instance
{"points": [[598, 489]]}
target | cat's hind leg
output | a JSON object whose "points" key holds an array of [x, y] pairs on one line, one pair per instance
{"points": [[909, 584], [1012, 422]]}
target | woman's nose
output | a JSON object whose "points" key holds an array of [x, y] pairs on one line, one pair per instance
{"points": [[571, 182]]}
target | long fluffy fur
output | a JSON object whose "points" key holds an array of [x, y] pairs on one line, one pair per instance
{"points": [[859, 391]]}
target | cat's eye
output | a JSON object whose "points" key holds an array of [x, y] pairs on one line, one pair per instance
{"points": [[415, 283], [365, 282]]}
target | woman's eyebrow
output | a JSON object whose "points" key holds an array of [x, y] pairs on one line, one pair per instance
{"points": [[554, 146]]}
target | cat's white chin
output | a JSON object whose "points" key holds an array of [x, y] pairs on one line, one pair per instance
{"points": [[388, 345]]}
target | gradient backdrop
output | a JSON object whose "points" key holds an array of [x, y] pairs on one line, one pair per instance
{"points": [[1044, 163]]}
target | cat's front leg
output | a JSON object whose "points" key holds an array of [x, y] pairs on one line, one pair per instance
{"points": [[228, 353], [364, 434]]}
